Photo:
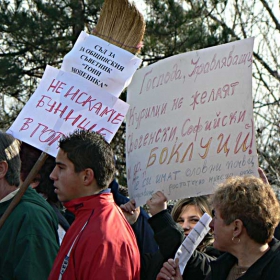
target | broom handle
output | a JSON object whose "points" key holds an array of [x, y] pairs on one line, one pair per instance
{"points": [[23, 187]]}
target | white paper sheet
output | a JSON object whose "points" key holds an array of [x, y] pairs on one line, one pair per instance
{"points": [[105, 65], [192, 241]]}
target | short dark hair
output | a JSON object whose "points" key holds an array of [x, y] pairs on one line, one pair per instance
{"points": [[9, 152], [88, 149]]}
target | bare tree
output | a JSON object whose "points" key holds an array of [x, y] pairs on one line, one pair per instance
{"points": [[241, 19], [36, 33]]}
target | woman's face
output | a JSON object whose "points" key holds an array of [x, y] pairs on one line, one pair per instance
{"points": [[188, 218], [222, 233]]}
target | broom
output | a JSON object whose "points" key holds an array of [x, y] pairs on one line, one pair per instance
{"points": [[121, 24]]}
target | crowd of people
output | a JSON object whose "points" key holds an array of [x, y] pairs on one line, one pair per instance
{"points": [[73, 223], [246, 213]]}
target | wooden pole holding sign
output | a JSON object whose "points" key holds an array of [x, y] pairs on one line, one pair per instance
{"points": [[121, 24], [23, 187]]}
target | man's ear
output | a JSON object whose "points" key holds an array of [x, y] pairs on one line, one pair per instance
{"points": [[88, 176], [3, 169]]}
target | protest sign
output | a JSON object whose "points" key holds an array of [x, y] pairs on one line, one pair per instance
{"points": [[190, 123], [62, 103], [105, 65]]}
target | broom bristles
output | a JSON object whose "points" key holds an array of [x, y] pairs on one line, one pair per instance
{"points": [[121, 24]]}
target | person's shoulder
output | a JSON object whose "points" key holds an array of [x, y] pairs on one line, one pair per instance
{"points": [[33, 205], [213, 252], [277, 232], [274, 245], [271, 265], [34, 219], [32, 199], [110, 217]]}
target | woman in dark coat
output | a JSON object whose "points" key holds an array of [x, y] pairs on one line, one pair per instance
{"points": [[246, 215], [171, 229]]}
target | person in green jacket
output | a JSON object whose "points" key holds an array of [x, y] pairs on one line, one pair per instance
{"points": [[28, 238]]}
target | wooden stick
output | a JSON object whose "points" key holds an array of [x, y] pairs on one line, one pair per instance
{"points": [[23, 187], [121, 24]]}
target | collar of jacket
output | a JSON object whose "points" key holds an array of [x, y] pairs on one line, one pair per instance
{"points": [[221, 267], [86, 203]]}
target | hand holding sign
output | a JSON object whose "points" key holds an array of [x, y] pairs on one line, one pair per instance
{"points": [[190, 123], [157, 203], [170, 270]]}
